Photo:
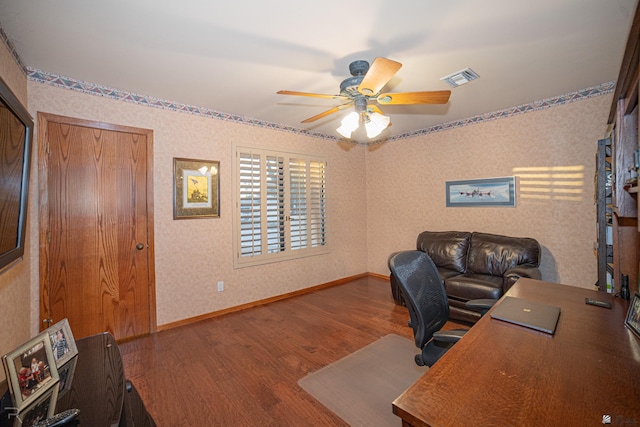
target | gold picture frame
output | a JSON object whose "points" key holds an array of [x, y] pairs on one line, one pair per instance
{"points": [[196, 188]]}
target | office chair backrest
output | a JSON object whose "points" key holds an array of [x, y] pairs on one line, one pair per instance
{"points": [[423, 291]]}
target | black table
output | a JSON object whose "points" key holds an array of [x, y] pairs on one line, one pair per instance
{"points": [[93, 382]]}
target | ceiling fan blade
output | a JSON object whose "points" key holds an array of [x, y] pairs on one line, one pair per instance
{"points": [[315, 95], [433, 97], [379, 74], [326, 113]]}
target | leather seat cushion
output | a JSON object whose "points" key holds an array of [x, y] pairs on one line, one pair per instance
{"points": [[446, 273], [474, 286]]}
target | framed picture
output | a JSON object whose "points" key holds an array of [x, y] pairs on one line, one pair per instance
{"points": [[31, 370], [44, 407], [482, 192], [66, 373], [62, 343], [633, 315], [196, 188]]}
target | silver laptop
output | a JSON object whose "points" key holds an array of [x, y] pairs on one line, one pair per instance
{"points": [[531, 314]]}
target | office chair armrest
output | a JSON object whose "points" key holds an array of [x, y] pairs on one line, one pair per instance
{"points": [[452, 335], [480, 305]]}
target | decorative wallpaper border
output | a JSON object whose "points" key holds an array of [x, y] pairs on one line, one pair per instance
{"points": [[119, 95], [602, 89], [94, 89], [148, 101], [12, 50]]}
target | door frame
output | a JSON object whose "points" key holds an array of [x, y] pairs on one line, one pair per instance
{"points": [[43, 213]]}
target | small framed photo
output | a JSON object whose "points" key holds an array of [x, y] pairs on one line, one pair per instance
{"points": [[62, 343], [44, 407], [196, 188], [633, 315], [482, 192], [31, 371], [66, 373]]}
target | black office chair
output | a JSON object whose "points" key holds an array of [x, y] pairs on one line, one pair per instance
{"points": [[423, 291]]}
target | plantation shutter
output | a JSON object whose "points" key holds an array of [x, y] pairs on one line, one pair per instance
{"points": [[275, 203], [317, 207], [250, 195], [298, 203], [280, 206]]}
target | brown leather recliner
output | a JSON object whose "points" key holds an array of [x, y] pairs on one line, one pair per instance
{"points": [[476, 266]]}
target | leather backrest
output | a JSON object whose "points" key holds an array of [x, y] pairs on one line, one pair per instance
{"points": [[423, 292], [447, 249], [494, 254]]}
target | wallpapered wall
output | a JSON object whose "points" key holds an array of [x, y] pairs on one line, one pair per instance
{"points": [[552, 154], [15, 301], [380, 198], [192, 255]]}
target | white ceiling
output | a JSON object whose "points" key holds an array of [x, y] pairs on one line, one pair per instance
{"points": [[233, 56]]}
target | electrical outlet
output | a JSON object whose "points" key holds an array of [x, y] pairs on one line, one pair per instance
{"points": [[220, 286]]}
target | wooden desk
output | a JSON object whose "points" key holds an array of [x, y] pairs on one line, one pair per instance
{"points": [[501, 374]]}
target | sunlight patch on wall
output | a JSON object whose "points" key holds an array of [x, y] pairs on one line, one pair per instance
{"points": [[551, 182]]}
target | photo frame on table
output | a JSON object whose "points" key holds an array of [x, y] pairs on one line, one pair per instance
{"points": [[482, 192], [632, 320], [62, 343], [30, 370], [66, 373], [44, 407], [196, 188]]}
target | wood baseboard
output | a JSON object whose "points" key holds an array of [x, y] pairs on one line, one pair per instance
{"points": [[213, 314], [379, 276]]}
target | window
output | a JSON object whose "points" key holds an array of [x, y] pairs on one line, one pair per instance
{"points": [[280, 206]]}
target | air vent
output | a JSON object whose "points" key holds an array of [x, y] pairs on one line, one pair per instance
{"points": [[460, 77]]}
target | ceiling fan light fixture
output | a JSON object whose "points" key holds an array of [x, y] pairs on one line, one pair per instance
{"points": [[349, 124], [460, 77], [364, 87], [375, 123]]}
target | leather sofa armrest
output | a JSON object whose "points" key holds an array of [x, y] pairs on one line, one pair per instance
{"points": [[512, 275], [480, 305], [451, 335]]}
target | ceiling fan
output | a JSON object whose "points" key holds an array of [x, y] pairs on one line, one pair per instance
{"points": [[362, 89]]}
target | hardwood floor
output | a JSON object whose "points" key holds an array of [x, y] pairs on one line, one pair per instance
{"points": [[242, 368]]}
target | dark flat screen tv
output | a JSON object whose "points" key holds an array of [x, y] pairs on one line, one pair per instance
{"points": [[16, 132]]}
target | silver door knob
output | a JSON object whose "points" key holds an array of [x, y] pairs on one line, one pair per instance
{"points": [[140, 246]]}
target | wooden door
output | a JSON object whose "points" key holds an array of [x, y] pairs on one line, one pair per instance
{"points": [[96, 227]]}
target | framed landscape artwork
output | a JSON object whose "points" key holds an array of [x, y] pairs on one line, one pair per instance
{"points": [[196, 191], [482, 192]]}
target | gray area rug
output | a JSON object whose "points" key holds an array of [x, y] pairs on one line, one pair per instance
{"points": [[360, 388]]}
